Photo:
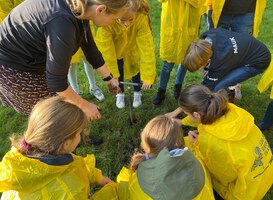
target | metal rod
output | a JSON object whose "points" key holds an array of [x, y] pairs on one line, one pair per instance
{"points": [[130, 83]]}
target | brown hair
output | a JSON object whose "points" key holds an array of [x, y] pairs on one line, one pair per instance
{"points": [[78, 7], [51, 123], [198, 98], [197, 55], [160, 132]]}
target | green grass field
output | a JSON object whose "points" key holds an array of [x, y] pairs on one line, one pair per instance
{"points": [[121, 138]]}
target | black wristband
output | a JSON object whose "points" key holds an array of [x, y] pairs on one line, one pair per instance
{"points": [[108, 78]]}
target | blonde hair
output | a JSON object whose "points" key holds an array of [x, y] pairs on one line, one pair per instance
{"points": [[51, 123], [160, 132], [198, 98], [78, 7], [197, 55]]}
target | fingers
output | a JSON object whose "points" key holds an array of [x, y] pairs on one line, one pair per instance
{"points": [[113, 86], [146, 86]]}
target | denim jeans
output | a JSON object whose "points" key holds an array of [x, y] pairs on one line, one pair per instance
{"points": [[237, 75], [237, 23], [166, 72], [135, 79]]}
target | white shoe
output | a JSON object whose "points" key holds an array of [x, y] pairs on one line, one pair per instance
{"points": [[238, 93], [97, 92], [137, 99], [120, 100]]}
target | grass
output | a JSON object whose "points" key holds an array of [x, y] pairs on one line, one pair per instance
{"points": [[121, 138]]}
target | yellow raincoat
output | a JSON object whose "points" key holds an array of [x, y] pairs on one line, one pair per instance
{"points": [[266, 80], [236, 154], [133, 44], [180, 21], [6, 6], [27, 178], [217, 6], [129, 188], [76, 58]]}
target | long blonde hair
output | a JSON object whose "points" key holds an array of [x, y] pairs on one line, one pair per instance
{"points": [[160, 132], [51, 123], [78, 7]]}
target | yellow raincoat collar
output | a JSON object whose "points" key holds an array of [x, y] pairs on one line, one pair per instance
{"points": [[233, 126]]}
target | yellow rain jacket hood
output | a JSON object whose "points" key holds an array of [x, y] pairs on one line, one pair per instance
{"points": [[166, 177], [133, 44], [217, 6], [179, 27], [22, 177], [236, 154]]}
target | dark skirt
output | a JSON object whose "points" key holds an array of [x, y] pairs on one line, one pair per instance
{"points": [[22, 90]]}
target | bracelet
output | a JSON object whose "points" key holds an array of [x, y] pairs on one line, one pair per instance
{"points": [[108, 78]]}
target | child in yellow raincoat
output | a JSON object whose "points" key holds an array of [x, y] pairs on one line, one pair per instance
{"points": [[231, 146], [265, 82], [166, 170], [180, 21], [89, 71], [6, 6], [127, 47], [41, 164]]}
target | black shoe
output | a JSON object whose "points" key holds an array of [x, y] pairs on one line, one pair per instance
{"points": [[92, 140], [177, 91], [263, 126], [159, 97]]}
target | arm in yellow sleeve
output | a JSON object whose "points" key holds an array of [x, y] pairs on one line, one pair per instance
{"points": [[197, 3], [188, 122], [106, 46], [145, 44], [95, 175]]}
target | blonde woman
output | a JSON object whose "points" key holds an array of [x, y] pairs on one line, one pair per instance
{"points": [[36, 50]]}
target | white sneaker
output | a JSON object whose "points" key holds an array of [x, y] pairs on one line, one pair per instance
{"points": [[238, 93], [97, 92], [137, 99], [120, 100]]}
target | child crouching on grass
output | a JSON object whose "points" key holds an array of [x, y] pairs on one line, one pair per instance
{"points": [[231, 146], [41, 165], [165, 170]]}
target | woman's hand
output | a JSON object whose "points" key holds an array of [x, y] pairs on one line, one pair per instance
{"points": [[105, 180], [193, 135], [146, 86], [113, 86]]}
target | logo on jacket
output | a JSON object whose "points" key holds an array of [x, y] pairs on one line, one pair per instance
{"points": [[234, 45]]}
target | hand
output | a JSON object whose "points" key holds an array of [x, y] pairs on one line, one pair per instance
{"points": [[193, 135], [91, 110], [174, 113], [113, 86], [105, 180], [146, 86]]}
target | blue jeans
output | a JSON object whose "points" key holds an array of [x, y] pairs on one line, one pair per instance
{"points": [[166, 72], [135, 79], [237, 23], [237, 75]]}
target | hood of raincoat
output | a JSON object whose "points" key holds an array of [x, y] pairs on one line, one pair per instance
{"points": [[170, 175], [20, 173], [234, 126]]}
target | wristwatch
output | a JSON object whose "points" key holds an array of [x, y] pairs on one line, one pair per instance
{"points": [[108, 78]]}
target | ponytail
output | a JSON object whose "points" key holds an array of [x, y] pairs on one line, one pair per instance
{"points": [[199, 98], [137, 158]]}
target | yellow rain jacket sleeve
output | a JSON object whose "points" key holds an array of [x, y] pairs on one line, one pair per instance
{"points": [[133, 44], [180, 20], [217, 7], [76, 58], [266, 80], [6, 6], [237, 156], [26, 178]]}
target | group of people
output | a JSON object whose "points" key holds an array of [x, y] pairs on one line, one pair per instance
{"points": [[226, 157]]}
